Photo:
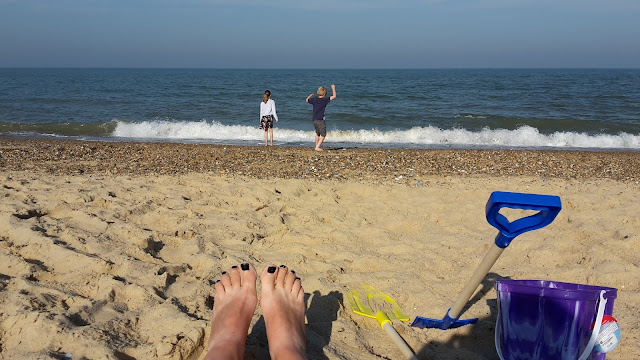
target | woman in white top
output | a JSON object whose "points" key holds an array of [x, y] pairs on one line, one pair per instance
{"points": [[267, 116]]}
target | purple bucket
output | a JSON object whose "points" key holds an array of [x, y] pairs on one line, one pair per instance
{"points": [[541, 320]]}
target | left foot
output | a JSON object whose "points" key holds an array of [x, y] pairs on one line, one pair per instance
{"points": [[233, 306]]}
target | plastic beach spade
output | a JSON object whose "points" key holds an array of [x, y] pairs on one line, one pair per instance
{"points": [[370, 302], [547, 207]]}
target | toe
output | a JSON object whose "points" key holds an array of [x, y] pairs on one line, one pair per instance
{"points": [[234, 275], [268, 277], [248, 275], [290, 279], [219, 287], [282, 275], [296, 286], [300, 293], [225, 280]]}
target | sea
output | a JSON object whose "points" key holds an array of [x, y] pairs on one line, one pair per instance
{"points": [[585, 109]]}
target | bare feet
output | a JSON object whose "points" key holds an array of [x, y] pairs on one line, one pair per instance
{"points": [[319, 149], [234, 303], [283, 308]]}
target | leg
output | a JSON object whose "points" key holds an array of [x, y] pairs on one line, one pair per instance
{"points": [[271, 133], [233, 306], [321, 133], [282, 303], [266, 136], [319, 143]]}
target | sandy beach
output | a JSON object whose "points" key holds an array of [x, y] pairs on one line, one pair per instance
{"points": [[110, 250]]}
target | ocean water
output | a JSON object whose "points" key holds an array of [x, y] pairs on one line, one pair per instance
{"points": [[510, 108]]}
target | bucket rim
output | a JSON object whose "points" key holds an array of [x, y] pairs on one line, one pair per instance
{"points": [[554, 289]]}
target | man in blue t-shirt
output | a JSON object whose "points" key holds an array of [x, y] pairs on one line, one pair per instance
{"points": [[319, 104]]}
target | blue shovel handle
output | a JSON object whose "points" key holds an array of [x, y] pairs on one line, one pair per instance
{"points": [[548, 207]]}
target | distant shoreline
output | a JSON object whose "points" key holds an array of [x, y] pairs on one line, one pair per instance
{"points": [[314, 69], [65, 157], [305, 144]]}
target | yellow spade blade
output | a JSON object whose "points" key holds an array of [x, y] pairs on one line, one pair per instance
{"points": [[367, 300]]}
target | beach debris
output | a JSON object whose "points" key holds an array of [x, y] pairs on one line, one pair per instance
{"points": [[419, 183], [65, 156], [261, 207]]}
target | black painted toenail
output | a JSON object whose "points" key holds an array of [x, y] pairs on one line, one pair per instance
{"points": [[224, 272], [297, 278], [292, 271], [234, 267], [217, 281], [244, 266], [271, 269], [282, 266]]}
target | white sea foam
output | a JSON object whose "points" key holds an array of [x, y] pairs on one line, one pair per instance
{"points": [[524, 136]]}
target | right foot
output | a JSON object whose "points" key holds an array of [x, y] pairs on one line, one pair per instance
{"points": [[283, 308], [233, 306]]}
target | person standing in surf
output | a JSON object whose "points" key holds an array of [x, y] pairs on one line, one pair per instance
{"points": [[319, 104], [267, 116]]}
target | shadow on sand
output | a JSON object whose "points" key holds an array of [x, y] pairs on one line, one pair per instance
{"points": [[322, 311], [479, 342]]}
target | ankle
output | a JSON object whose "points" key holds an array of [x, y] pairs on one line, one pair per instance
{"points": [[288, 352], [225, 349]]}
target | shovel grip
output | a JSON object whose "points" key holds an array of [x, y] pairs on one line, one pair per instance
{"points": [[548, 207], [397, 339]]}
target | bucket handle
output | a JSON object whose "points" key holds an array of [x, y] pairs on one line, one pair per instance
{"points": [[592, 341]]}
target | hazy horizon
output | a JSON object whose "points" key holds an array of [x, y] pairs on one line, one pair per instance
{"points": [[350, 34]]}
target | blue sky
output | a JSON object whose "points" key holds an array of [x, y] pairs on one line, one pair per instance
{"points": [[320, 34]]}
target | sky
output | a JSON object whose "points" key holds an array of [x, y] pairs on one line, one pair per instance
{"points": [[330, 34]]}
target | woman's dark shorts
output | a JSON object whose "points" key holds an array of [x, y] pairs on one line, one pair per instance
{"points": [[266, 122], [321, 127]]}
